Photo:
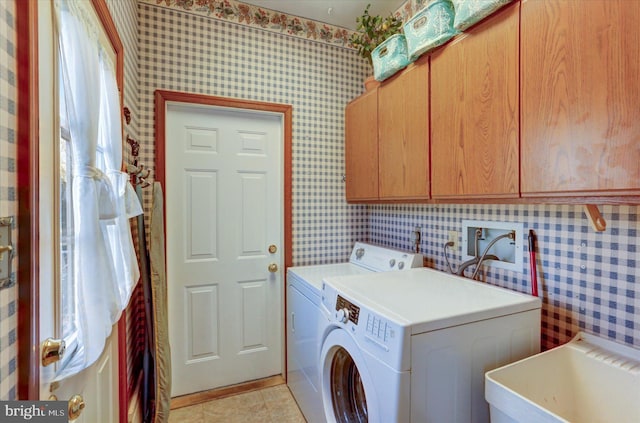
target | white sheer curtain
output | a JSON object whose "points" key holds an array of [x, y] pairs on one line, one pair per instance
{"points": [[118, 231], [104, 264]]}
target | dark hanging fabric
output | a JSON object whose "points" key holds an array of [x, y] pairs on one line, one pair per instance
{"points": [[148, 366]]}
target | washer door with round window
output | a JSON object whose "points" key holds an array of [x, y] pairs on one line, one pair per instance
{"points": [[357, 387]]}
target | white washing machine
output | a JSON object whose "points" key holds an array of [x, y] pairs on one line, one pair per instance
{"points": [[304, 284], [414, 346]]}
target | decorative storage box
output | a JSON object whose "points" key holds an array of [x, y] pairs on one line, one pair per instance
{"points": [[429, 28], [389, 57], [469, 12]]}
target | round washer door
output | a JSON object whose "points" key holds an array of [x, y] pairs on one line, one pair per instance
{"points": [[347, 387]]}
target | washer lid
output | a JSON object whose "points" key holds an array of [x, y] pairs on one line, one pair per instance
{"points": [[313, 275], [365, 258], [427, 299]]}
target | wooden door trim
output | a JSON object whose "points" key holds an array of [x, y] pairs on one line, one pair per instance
{"points": [[161, 99], [27, 195]]}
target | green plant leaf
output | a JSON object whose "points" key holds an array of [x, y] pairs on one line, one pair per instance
{"points": [[373, 30]]}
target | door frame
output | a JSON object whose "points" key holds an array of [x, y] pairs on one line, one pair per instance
{"points": [[286, 110], [28, 194], [161, 99]]}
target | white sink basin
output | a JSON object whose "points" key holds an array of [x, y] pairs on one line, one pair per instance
{"points": [[586, 380]]}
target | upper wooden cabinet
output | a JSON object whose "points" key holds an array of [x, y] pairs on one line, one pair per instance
{"points": [[475, 112], [580, 97], [361, 147], [403, 134], [540, 100]]}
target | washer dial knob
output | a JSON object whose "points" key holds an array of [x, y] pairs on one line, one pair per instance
{"points": [[401, 265], [343, 315], [392, 262]]}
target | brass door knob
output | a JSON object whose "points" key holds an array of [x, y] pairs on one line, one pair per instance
{"points": [[76, 405], [52, 350], [273, 268]]}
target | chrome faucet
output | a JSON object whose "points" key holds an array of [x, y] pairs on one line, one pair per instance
{"points": [[477, 260]]}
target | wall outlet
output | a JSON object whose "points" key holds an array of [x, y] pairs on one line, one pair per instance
{"points": [[453, 237]]}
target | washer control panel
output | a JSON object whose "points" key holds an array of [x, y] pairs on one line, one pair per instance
{"points": [[345, 311], [379, 334], [379, 328], [382, 259]]}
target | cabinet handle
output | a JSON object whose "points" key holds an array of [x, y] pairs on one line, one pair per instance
{"points": [[420, 22]]}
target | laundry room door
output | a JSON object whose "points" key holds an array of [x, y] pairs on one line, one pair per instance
{"points": [[224, 214]]}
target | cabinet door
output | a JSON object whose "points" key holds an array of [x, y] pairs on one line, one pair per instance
{"points": [[474, 112], [580, 97], [361, 147], [403, 134]]}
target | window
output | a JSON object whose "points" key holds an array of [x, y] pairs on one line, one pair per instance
{"points": [[97, 263], [68, 324]]}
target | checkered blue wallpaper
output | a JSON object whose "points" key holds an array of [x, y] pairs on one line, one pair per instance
{"points": [[185, 51], [8, 201], [588, 280]]}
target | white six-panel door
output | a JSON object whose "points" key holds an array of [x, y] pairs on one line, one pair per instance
{"points": [[223, 212]]}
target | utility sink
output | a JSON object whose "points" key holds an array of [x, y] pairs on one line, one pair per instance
{"points": [[587, 380]]}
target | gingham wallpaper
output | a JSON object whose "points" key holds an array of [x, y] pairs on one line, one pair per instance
{"points": [[187, 51], [8, 201], [588, 280]]}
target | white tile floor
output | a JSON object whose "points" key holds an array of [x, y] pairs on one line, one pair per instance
{"points": [[269, 405]]}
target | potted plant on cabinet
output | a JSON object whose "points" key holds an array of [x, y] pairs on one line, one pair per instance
{"points": [[371, 31]]}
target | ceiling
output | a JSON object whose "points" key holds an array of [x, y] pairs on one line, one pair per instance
{"points": [[335, 12]]}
